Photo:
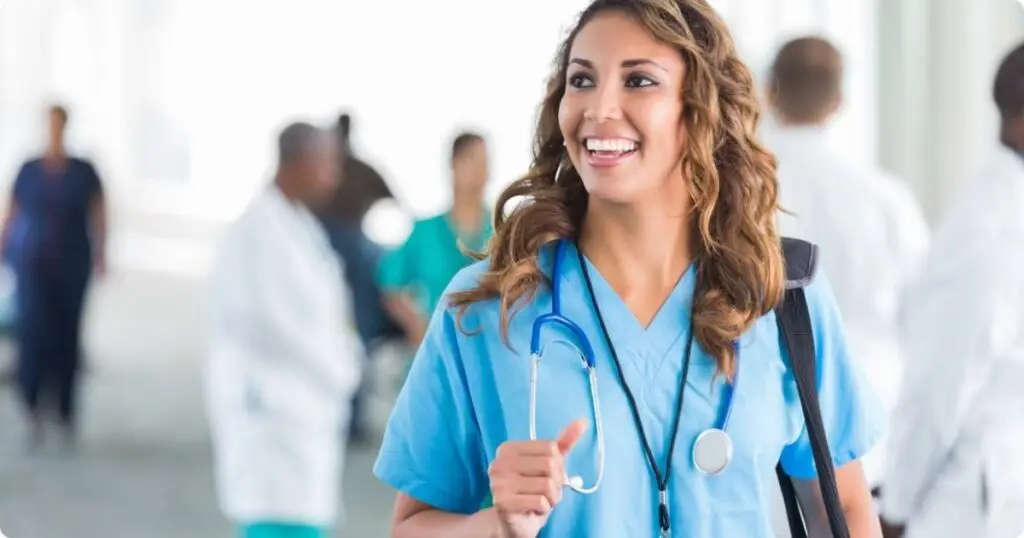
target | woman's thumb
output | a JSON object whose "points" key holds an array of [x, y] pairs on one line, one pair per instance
{"points": [[571, 435]]}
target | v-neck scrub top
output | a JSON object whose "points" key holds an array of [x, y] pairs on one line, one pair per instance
{"points": [[467, 393]]}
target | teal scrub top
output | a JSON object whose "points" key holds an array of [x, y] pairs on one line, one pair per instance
{"points": [[467, 393], [429, 258]]}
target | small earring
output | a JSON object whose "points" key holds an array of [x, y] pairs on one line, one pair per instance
{"points": [[565, 144]]}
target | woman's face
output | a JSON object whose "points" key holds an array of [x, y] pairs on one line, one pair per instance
{"points": [[469, 168], [621, 114]]}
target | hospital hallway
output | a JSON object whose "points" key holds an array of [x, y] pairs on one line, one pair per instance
{"points": [[143, 465]]}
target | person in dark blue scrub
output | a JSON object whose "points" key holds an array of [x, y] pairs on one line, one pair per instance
{"points": [[359, 187], [59, 199]]}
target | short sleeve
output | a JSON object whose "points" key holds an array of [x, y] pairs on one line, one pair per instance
{"points": [[396, 269], [21, 184], [432, 449], [852, 413], [94, 186]]}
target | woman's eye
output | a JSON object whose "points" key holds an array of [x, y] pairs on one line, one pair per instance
{"points": [[580, 81], [639, 81]]}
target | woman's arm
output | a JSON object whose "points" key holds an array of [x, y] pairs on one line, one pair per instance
{"points": [[8, 225], [98, 223], [12, 209], [402, 308], [855, 497], [396, 275], [414, 519]]}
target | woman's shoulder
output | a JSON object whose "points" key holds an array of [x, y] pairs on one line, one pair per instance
{"points": [[821, 303], [82, 163], [32, 164], [469, 277]]}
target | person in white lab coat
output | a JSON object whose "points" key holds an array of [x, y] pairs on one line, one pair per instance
{"points": [[871, 231], [284, 359], [956, 467]]}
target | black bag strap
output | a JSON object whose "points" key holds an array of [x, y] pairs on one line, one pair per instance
{"points": [[794, 322]]}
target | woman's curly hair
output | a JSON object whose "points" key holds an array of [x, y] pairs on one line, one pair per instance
{"points": [[732, 185]]}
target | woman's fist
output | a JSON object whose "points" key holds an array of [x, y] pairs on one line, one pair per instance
{"points": [[527, 479]]}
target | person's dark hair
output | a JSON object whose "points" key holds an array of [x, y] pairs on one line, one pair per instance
{"points": [[463, 141], [733, 188], [806, 79], [60, 111], [1008, 89], [296, 140], [344, 126]]}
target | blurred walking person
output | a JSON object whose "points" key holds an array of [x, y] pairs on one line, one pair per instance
{"points": [[284, 361], [415, 276], [58, 205], [957, 437], [870, 228], [359, 188]]}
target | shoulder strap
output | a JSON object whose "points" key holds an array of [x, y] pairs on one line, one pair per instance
{"points": [[794, 321]]}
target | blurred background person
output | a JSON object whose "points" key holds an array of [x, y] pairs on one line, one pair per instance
{"points": [[957, 434], [364, 185], [182, 125], [415, 275], [57, 208], [870, 229], [283, 363], [359, 188]]}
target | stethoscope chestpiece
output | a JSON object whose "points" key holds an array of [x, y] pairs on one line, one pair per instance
{"points": [[712, 451]]}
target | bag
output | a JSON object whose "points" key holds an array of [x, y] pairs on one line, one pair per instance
{"points": [[794, 322]]}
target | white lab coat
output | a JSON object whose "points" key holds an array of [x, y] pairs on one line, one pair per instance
{"points": [[956, 467], [872, 237], [282, 367]]}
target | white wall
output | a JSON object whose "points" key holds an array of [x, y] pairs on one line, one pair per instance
{"points": [[760, 27], [938, 59], [222, 76], [178, 100]]}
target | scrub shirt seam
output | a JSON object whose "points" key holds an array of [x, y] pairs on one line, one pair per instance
{"points": [[850, 452]]}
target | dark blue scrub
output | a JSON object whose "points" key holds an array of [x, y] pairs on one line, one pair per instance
{"points": [[53, 266], [359, 256]]}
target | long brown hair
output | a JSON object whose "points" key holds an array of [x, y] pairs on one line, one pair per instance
{"points": [[731, 178]]}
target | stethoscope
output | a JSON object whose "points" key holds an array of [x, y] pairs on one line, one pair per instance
{"points": [[712, 449]]}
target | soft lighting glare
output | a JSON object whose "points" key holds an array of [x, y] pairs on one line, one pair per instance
{"points": [[387, 224]]}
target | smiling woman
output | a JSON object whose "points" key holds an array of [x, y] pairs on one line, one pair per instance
{"points": [[644, 236]]}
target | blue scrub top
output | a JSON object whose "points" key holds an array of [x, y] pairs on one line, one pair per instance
{"points": [[53, 208], [468, 393]]}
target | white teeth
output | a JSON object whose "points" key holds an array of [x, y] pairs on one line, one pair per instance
{"points": [[610, 144]]}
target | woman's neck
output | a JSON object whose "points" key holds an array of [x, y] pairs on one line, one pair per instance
{"points": [[54, 159], [467, 213], [638, 246], [55, 154]]}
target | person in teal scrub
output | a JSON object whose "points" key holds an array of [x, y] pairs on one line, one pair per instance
{"points": [[414, 276]]}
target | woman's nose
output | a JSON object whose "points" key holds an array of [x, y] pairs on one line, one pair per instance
{"points": [[603, 104]]}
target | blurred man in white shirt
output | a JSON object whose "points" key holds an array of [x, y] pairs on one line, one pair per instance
{"points": [[284, 359], [871, 230]]}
